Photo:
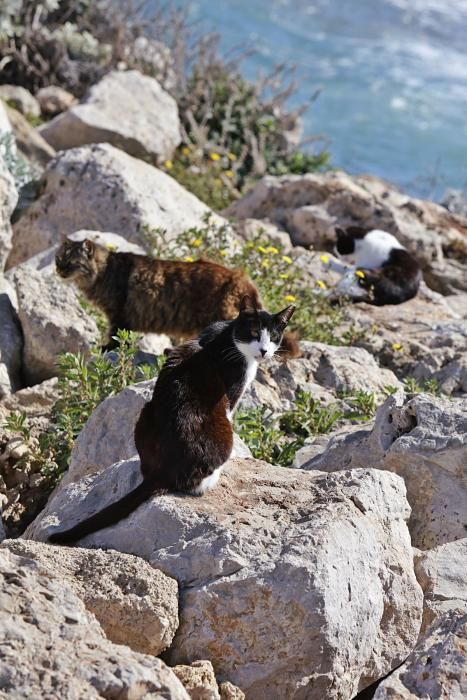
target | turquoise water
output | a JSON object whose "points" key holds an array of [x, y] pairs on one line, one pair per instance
{"points": [[392, 76]]}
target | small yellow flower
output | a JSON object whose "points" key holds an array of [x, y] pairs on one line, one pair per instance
{"points": [[229, 173], [189, 259], [397, 346], [232, 157], [360, 273], [111, 246], [250, 245], [289, 297], [262, 250], [321, 284], [287, 259], [215, 156], [265, 263], [196, 242], [272, 249], [284, 276], [223, 253], [185, 151], [168, 164], [324, 258]]}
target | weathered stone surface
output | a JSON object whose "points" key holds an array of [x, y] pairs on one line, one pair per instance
{"points": [[35, 401], [293, 585], [127, 109], [53, 647], [52, 321], [199, 680], [437, 667], [442, 574], [11, 340], [310, 206], [53, 100], [424, 440], [21, 99], [101, 188], [5, 126], [228, 691], [135, 604], [29, 141], [8, 199]]}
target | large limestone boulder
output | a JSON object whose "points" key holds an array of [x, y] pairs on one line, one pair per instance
{"points": [[310, 206], [135, 604], [53, 647], [8, 200], [101, 188], [52, 320], [442, 574], [29, 141], [424, 439], [200, 681], [11, 340], [127, 109], [437, 667], [294, 585]]}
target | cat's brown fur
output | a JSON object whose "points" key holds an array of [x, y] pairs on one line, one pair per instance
{"points": [[149, 295]]}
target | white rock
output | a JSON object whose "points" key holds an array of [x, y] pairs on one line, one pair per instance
{"points": [[442, 574], [127, 109], [101, 188], [53, 647], [11, 340], [21, 99], [437, 667], [5, 126], [8, 200], [52, 320], [424, 440], [293, 585], [135, 604]]}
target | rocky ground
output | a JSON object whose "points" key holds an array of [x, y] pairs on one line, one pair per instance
{"points": [[307, 582]]}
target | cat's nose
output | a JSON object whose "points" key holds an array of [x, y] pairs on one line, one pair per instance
{"points": [[263, 352]]}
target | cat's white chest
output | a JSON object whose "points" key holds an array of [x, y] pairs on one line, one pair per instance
{"points": [[209, 482], [373, 250]]}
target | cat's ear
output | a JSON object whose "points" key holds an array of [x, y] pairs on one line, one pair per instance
{"points": [[88, 247], [284, 316]]}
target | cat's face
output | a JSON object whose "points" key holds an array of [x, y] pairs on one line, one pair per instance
{"points": [[258, 334], [74, 260]]}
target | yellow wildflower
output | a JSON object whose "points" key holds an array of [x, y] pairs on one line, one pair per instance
{"points": [[215, 156], [284, 276], [289, 297], [168, 164], [185, 151], [324, 258], [196, 242], [265, 263], [232, 157], [189, 259], [397, 346], [287, 259], [223, 253], [321, 284], [229, 173], [262, 250], [272, 249], [360, 273], [249, 245], [111, 246]]}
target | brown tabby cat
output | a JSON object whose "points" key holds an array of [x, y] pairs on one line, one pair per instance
{"points": [[149, 295]]}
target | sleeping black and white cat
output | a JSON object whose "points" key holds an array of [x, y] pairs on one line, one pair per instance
{"points": [[384, 271], [184, 434]]}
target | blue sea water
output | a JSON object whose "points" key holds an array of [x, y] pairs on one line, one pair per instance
{"points": [[392, 76]]}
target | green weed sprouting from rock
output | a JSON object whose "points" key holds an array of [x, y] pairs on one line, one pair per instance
{"points": [[83, 384], [427, 386], [279, 280]]}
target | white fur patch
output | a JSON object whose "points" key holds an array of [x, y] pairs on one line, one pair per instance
{"points": [[209, 482], [373, 250], [258, 350]]}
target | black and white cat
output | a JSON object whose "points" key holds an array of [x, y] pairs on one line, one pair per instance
{"points": [[384, 271], [184, 434]]}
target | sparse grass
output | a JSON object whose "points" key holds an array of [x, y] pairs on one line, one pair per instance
{"points": [[424, 386], [83, 385]]}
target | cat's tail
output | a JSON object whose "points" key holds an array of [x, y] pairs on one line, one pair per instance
{"points": [[290, 346], [108, 516]]}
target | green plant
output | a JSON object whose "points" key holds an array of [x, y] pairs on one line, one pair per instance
{"points": [[428, 386], [309, 417], [363, 404], [83, 384]]}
